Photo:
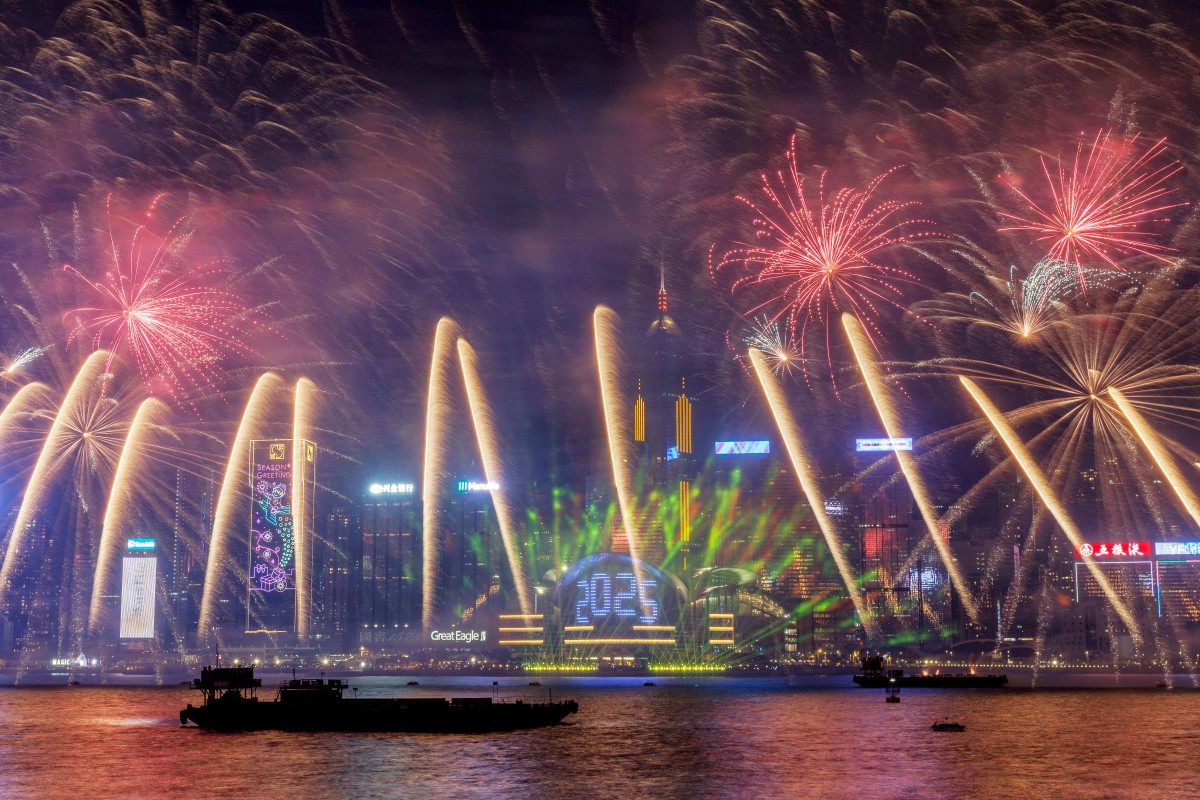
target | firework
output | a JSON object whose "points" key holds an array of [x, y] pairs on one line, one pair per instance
{"points": [[1021, 306], [817, 261], [877, 387], [21, 360], [164, 311], [1049, 498], [802, 461], [1098, 206], [773, 342]]}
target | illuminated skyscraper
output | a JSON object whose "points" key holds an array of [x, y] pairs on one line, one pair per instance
{"points": [[279, 583], [391, 557], [662, 425]]}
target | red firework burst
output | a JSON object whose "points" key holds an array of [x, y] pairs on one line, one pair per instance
{"points": [[163, 310], [817, 261], [1098, 205]]}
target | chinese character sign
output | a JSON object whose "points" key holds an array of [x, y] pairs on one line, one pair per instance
{"points": [[1114, 550]]}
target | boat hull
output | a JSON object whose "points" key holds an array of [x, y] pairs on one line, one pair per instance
{"points": [[393, 715]]}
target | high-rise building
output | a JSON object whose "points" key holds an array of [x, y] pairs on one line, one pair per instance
{"points": [[390, 596], [337, 596], [279, 584], [663, 430], [471, 552]]}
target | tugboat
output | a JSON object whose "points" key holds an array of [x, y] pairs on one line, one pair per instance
{"points": [[231, 703], [874, 676]]}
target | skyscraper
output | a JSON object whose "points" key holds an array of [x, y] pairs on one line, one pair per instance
{"points": [[662, 424], [391, 556]]}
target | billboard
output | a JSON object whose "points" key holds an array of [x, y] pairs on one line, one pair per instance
{"points": [[882, 445], [138, 576], [1113, 550], [743, 448], [272, 578], [1177, 548]]}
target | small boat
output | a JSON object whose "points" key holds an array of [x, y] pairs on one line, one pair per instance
{"points": [[893, 693], [412, 683], [946, 725], [535, 683], [231, 703], [649, 683]]}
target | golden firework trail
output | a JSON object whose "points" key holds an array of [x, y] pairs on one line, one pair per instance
{"points": [[802, 463], [302, 426], [62, 433], [437, 434], [1042, 486], [230, 505], [24, 402], [1154, 446], [493, 467], [118, 513], [860, 343], [606, 327]]}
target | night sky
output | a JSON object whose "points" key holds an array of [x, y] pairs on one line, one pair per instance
{"points": [[368, 167]]}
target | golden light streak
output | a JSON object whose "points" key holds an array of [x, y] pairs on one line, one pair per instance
{"points": [[87, 379], [118, 514], [1042, 486], [860, 343], [24, 402], [606, 326], [493, 467], [798, 452], [1154, 446], [232, 502], [302, 426], [437, 434]]}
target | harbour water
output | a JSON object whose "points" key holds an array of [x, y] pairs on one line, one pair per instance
{"points": [[682, 738]]}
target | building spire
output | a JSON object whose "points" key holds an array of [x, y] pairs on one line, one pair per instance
{"points": [[662, 287]]}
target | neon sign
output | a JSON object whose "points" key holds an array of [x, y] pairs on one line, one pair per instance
{"points": [[458, 636], [478, 486], [882, 445], [743, 448], [139, 544], [1113, 549], [391, 488], [1177, 548]]}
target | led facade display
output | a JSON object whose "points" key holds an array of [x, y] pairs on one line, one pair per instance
{"points": [[743, 448], [272, 579], [603, 602], [1177, 548], [138, 576], [882, 445]]}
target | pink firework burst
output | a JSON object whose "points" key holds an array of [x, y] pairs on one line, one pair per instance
{"points": [[164, 310], [817, 262], [1098, 205]]}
